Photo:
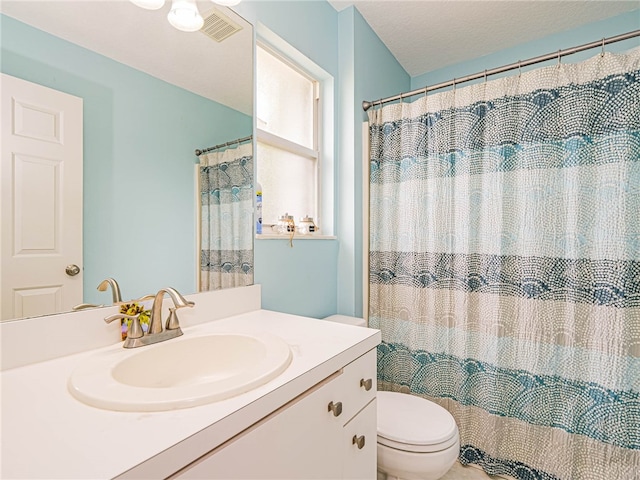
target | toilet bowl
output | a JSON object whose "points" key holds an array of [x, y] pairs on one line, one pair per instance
{"points": [[417, 439]]}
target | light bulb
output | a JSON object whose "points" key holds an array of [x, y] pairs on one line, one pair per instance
{"points": [[184, 16], [226, 3], [149, 4]]}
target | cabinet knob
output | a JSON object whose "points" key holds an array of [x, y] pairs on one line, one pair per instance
{"points": [[335, 408], [366, 383], [359, 441]]}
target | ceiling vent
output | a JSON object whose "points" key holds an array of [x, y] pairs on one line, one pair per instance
{"points": [[218, 26]]}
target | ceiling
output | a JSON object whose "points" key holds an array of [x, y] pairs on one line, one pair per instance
{"points": [[144, 39], [425, 35]]}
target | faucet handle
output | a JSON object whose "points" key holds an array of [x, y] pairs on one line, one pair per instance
{"points": [[135, 330], [172, 319], [178, 302]]}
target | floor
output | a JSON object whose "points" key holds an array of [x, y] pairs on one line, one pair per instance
{"points": [[459, 472]]}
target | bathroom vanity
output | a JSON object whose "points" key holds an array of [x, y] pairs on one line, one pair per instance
{"points": [[328, 432], [317, 419]]}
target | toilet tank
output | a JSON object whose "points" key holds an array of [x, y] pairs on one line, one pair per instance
{"points": [[360, 322]]}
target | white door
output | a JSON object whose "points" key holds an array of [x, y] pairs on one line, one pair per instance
{"points": [[40, 200]]}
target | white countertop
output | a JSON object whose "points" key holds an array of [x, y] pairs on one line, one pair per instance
{"points": [[47, 433]]}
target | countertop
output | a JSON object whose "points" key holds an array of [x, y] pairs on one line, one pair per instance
{"points": [[47, 433]]}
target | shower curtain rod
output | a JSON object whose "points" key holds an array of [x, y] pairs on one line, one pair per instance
{"points": [[542, 58], [221, 145]]}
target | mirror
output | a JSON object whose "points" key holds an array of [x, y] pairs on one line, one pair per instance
{"points": [[152, 95]]}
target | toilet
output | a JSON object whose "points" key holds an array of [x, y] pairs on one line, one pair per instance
{"points": [[417, 439]]}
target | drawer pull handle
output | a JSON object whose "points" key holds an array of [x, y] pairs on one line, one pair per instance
{"points": [[366, 383], [335, 408], [359, 441]]}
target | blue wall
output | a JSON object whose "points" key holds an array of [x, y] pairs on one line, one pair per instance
{"points": [[139, 137]]}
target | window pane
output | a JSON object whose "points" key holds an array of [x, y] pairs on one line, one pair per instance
{"points": [[288, 184], [285, 100]]}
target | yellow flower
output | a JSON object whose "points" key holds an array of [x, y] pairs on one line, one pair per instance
{"points": [[133, 309]]}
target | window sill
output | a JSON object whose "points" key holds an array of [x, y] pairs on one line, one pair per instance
{"points": [[275, 236]]}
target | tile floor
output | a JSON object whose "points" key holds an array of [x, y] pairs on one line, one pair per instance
{"points": [[459, 472]]}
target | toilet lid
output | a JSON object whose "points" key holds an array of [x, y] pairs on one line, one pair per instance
{"points": [[411, 423]]}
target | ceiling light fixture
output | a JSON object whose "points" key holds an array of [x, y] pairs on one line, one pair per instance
{"points": [[184, 14]]}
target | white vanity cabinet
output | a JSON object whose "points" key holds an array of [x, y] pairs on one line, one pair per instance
{"points": [[328, 432], [281, 430]]}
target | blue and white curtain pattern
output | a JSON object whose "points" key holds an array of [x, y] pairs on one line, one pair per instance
{"points": [[505, 265], [226, 202]]}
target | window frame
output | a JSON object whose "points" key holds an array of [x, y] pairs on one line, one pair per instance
{"points": [[322, 83]]}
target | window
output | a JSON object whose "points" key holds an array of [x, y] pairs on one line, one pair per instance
{"points": [[288, 164]]}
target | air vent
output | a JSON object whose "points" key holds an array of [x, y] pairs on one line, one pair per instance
{"points": [[218, 26]]}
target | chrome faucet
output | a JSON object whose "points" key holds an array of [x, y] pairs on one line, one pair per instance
{"points": [[115, 295], [115, 289], [136, 336]]}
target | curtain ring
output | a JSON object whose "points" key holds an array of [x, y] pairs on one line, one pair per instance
{"points": [[602, 53], [519, 68], [426, 91], [559, 57], [454, 84], [401, 97], [485, 75]]}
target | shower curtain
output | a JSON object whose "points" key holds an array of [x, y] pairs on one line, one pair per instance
{"points": [[226, 225], [505, 265]]}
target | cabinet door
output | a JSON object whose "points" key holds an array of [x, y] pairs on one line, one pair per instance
{"points": [[359, 444], [299, 441]]}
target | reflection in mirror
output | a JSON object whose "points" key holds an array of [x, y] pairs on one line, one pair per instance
{"points": [[151, 95], [225, 184]]}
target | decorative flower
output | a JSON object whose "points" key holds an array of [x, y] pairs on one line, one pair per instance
{"points": [[133, 309]]}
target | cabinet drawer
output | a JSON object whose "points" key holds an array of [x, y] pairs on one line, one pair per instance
{"points": [[357, 385]]}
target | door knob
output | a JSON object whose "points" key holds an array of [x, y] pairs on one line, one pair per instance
{"points": [[72, 270]]}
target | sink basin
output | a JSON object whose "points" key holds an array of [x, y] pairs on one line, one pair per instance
{"points": [[179, 373]]}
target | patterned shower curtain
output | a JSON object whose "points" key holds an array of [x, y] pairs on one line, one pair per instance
{"points": [[226, 202], [505, 265]]}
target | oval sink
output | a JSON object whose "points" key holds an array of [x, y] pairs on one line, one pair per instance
{"points": [[179, 373]]}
